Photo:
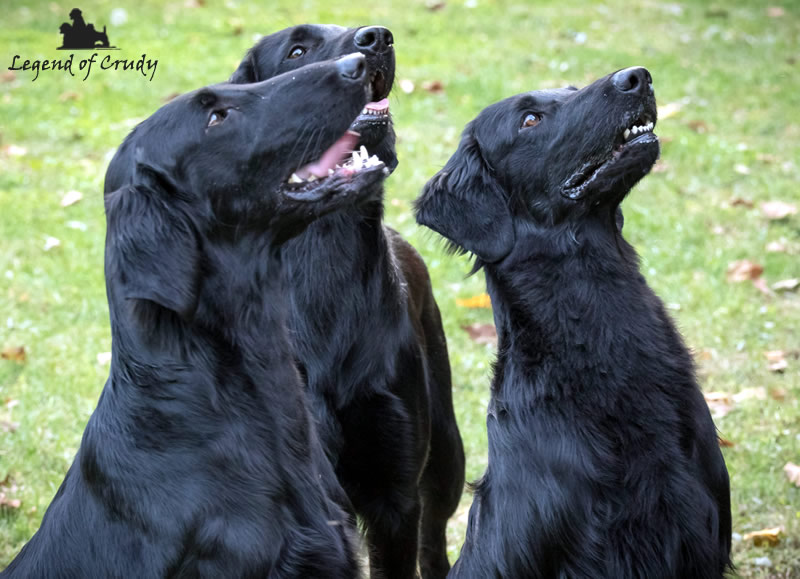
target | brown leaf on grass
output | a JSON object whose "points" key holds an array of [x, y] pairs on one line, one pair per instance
{"points": [[8, 76], [759, 393], [71, 198], [739, 201], [775, 12], [7, 488], [778, 394], [770, 537], [786, 285], [775, 210], [792, 473], [8, 426], [435, 5], [14, 353], [698, 126], [719, 403], [481, 333], [779, 246], [68, 96], [742, 270], [725, 443], [433, 86], [478, 301], [660, 167], [777, 360]]}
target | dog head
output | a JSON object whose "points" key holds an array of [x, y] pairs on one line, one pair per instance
{"points": [[544, 157], [265, 158], [298, 46]]}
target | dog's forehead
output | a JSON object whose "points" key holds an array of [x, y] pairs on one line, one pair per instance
{"points": [[315, 31], [550, 95]]}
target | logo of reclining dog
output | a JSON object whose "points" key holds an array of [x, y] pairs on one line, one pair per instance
{"points": [[82, 36]]}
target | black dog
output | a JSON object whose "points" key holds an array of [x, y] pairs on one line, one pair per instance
{"points": [[202, 459], [368, 334], [603, 458]]}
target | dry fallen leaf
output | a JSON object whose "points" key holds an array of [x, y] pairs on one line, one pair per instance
{"points": [[435, 5], [769, 537], [742, 270], [775, 12], [406, 85], [759, 393], [780, 246], [14, 353], [7, 488], [719, 403], [698, 126], [8, 76], [777, 360], [777, 209], [792, 473], [478, 301], [481, 333], [761, 285], [8, 426], [786, 285], [778, 394], [433, 86], [660, 167], [669, 110], [737, 201], [71, 198], [68, 96], [725, 443]]}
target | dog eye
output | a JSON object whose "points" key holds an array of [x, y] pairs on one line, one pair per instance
{"points": [[297, 52], [217, 117], [531, 120]]}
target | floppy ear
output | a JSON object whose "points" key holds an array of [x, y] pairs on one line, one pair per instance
{"points": [[247, 71], [152, 250], [465, 203]]}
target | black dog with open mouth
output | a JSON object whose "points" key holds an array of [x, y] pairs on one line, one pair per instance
{"points": [[603, 457], [369, 336], [202, 458]]}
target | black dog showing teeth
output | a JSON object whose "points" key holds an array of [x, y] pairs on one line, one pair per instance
{"points": [[603, 457]]}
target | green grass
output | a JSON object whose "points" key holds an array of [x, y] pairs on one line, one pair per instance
{"points": [[732, 67]]}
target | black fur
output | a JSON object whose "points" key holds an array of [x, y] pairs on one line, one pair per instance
{"points": [[603, 458], [202, 459], [369, 338]]}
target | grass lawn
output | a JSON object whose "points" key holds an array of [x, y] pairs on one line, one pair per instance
{"points": [[727, 79]]}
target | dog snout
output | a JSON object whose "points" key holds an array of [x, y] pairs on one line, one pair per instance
{"points": [[374, 39], [633, 80], [352, 66]]}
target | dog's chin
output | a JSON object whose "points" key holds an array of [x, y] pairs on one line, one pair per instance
{"points": [[612, 178]]}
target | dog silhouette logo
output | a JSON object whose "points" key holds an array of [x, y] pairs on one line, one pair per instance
{"points": [[82, 36]]}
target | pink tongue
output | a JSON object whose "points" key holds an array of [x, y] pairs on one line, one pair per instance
{"points": [[381, 104], [337, 152]]}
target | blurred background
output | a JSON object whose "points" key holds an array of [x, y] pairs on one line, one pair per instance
{"points": [[716, 223]]}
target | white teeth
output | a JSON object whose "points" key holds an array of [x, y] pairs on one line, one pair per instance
{"points": [[330, 171], [356, 158], [295, 178], [365, 111], [312, 178], [627, 134], [364, 154]]}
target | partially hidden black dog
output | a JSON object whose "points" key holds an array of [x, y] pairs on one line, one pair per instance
{"points": [[603, 458], [367, 332], [201, 459]]}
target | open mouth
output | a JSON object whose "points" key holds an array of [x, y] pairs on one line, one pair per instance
{"points": [[637, 133], [376, 112], [341, 163]]}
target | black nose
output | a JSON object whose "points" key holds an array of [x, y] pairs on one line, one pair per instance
{"points": [[374, 39], [352, 66], [635, 80]]}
